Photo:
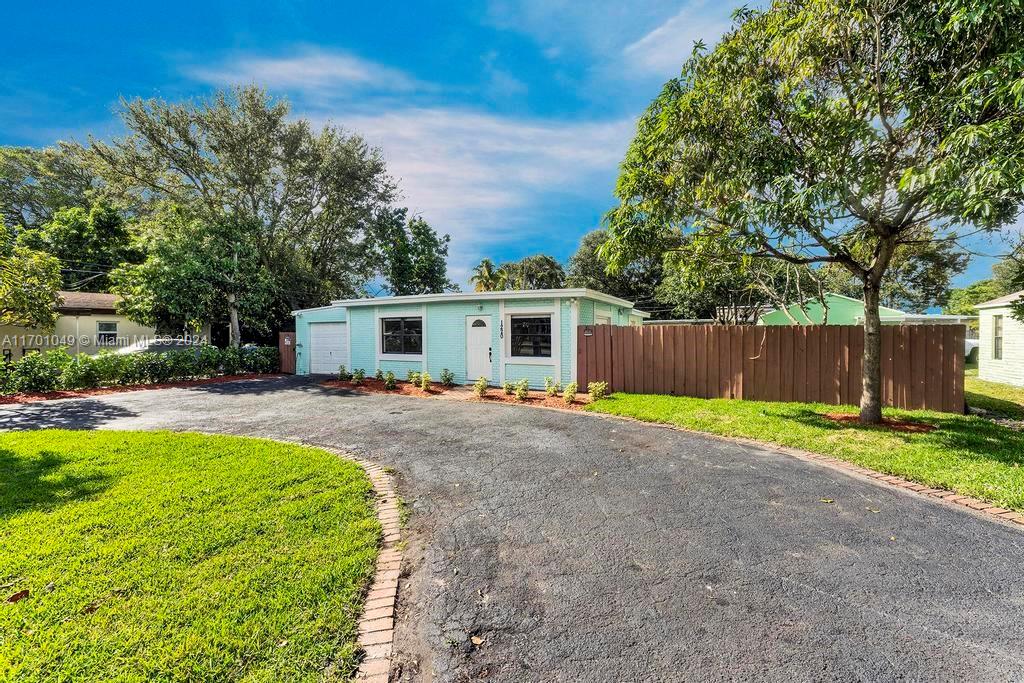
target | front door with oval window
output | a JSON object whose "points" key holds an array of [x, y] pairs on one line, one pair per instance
{"points": [[478, 347]]}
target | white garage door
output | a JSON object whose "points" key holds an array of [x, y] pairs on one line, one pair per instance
{"points": [[329, 342]]}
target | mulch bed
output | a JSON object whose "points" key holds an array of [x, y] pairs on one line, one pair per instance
{"points": [[888, 422], [376, 386], [83, 393], [536, 398]]}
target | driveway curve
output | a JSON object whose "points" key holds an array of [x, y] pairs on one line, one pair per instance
{"points": [[560, 546]]}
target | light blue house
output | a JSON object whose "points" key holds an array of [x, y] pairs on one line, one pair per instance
{"points": [[503, 336]]}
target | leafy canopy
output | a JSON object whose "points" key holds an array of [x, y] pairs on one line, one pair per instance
{"points": [[29, 284]]}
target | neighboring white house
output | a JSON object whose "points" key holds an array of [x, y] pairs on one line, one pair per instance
{"points": [[1001, 337]]}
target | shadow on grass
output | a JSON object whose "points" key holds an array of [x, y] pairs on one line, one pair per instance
{"points": [[36, 483], [1004, 408]]}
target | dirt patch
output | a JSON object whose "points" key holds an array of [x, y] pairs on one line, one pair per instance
{"points": [[887, 422], [376, 386], [100, 391]]}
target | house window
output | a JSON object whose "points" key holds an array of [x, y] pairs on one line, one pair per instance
{"points": [[997, 337], [401, 335], [106, 333], [531, 336]]}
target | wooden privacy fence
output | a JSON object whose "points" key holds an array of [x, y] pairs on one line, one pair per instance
{"points": [[922, 365]]}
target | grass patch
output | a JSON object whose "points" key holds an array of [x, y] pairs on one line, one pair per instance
{"points": [[969, 455], [159, 556], [1001, 399]]}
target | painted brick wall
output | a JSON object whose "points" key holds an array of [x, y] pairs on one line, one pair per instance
{"points": [[566, 337], [446, 338], [1009, 370], [361, 338], [302, 321]]}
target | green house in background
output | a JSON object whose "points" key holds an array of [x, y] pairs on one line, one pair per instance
{"points": [[844, 310]]}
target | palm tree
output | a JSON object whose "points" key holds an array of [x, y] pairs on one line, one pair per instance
{"points": [[487, 277]]}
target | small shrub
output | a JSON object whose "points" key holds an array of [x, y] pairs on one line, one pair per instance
{"points": [[207, 361], [358, 376], [231, 361], [425, 381], [508, 388], [389, 381], [413, 377], [569, 394], [597, 390], [447, 378], [343, 374], [480, 386], [522, 390], [6, 377], [551, 387], [40, 372], [379, 375], [261, 359], [80, 373]]}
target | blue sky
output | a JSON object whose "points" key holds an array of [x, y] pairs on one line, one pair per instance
{"points": [[504, 121]]}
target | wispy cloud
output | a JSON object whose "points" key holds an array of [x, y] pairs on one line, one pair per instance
{"points": [[663, 50], [308, 69]]}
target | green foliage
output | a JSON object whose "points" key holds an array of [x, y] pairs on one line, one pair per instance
{"points": [[539, 271], [389, 381], [508, 387], [358, 376], [55, 370], [29, 284], [486, 277], [415, 257], [551, 387], [343, 374], [447, 377], [569, 394], [480, 386], [425, 381], [597, 390], [379, 375], [179, 544], [522, 390], [88, 241], [413, 377], [37, 183], [637, 281]]}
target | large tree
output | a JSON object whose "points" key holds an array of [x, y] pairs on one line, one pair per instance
{"points": [[487, 277], [638, 281], [312, 202], [414, 257], [835, 131], [29, 284], [37, 183], [88, 242], [539, 271]]}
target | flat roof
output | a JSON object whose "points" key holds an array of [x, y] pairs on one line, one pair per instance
{"points": [[479, 296]]}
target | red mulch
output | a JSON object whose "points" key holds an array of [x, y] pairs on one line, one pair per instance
{"points": [[376, 386], [536, 398], [888, 422], [82, 393]]}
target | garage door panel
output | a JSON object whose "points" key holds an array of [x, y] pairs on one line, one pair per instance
{"points": [[329, 347]]}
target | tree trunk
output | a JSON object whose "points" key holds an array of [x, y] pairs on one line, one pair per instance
{"points": [[234, 331], [871, 376]]}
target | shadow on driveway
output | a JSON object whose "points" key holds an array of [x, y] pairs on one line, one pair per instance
{"points": [[72, 413]]}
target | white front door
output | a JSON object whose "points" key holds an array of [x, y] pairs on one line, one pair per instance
{"points": [[478, 347], [328, 347]]}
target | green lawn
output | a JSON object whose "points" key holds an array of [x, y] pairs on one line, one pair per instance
{"points": [[969, 455], [159, 556], [1001, 399]]}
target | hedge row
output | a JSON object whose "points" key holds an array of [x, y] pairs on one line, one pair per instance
{"points": [[57, 370]]}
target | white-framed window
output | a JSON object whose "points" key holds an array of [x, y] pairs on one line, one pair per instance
{"points": [[530, 335], [997, 337], [106, 333], [401, 336]]}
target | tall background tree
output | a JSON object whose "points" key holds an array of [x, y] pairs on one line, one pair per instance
{"points": [[36, 183], [831, 132], [312, 203], [638, 281], [414, 257], [29, 283], [487, 277]]}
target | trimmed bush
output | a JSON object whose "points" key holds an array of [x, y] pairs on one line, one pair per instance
{"points": [[413, 377], [447, 378], [597, 390], [480, 386], [358, 376], [508, 388], [569, 394], [551, 387], [522, 390], [425, 381], [379, 375], [389, 381]]}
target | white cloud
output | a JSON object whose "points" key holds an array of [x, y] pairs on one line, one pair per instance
{"points": [[309, 70], [664, 49], [477, 176]]}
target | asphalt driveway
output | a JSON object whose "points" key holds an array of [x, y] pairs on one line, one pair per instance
{"points": [[586, 548]]}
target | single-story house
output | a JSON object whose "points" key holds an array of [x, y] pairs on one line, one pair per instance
{"points": [[845, 310], [1001, 341], [503, 336], [88, 322]]}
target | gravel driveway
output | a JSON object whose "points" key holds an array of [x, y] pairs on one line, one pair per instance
{"points": [[586, 548]]}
